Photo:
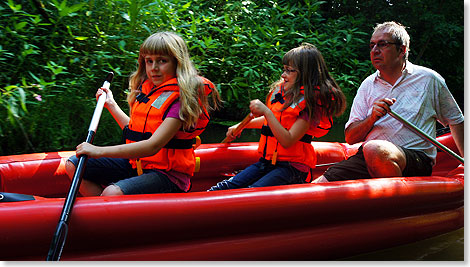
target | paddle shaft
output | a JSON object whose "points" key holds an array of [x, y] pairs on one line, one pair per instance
{"points": [[425, 136], [239, 128], [58, 240]]}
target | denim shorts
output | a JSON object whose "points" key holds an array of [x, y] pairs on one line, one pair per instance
{"points": [[117, 171], [417, 164]]}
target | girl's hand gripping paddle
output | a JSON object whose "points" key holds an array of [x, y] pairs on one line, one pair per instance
{"points": [[58, 241]]}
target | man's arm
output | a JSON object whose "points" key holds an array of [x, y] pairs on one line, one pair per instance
{"points": [[357, 131], [457, 131]]}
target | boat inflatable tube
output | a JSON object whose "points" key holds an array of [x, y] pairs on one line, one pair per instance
{"points": [[13, 197]]}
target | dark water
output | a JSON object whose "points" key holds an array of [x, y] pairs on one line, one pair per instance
{"points": [[446, 247]]}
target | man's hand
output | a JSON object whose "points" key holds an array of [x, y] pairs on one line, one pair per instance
{"points": [[381, 107]]}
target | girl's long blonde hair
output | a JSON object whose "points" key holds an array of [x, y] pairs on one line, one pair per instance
{"points": [[313, 73], [190, 83]]}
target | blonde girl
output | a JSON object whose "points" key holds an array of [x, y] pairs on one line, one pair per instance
{"points": [[169, 106]]}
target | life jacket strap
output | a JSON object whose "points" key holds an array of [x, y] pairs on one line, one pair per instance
{"points": [[266, 131], [134, 135], [173, 143], [142, 98], [180, 144]]}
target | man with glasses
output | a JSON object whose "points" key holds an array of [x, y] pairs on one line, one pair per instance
{"points": [[418, 94]]}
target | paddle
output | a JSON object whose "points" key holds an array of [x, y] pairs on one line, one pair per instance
{"points": [[239, 128], [58, 241], [425, 136]]}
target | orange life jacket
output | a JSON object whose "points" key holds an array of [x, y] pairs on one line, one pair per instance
{"points": [[148, 112], [302, 151]]}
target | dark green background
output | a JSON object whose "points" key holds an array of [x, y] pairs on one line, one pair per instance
{"points": [[62, 50]]}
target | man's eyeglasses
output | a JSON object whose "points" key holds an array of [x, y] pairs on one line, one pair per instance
{"points": [[288, 71], [380, 44]]}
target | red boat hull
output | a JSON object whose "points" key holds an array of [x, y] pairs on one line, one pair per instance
{"points": [[294, 222]]}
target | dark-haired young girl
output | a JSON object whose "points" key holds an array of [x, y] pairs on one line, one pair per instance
{"points": [[298, 107]]}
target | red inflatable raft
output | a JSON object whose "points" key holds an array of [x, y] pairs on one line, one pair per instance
{"points": [[295, 222]]}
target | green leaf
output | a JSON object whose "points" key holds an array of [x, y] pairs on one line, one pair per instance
{"points": [[187, 5], [22, 98], [13, 6], [10, 87], [20, 26]]}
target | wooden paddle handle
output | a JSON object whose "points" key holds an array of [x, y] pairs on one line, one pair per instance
{"points": [[239, 128]]}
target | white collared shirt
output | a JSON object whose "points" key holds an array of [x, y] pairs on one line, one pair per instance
{"points": [[422, 98]]}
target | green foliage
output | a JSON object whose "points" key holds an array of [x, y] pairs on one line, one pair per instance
{"points": [[54, 54], [435, 27]]}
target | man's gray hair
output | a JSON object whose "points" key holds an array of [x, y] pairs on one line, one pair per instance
{"points": [[398, 32]]}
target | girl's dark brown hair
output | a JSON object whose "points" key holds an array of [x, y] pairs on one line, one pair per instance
{"points": [[313, 75]]}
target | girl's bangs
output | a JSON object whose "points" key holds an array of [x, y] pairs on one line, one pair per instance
{"points": [[290, 58], [287, 59], [155, 46]]}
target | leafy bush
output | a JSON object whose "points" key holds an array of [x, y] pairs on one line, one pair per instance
{"points": [[54, 54]]}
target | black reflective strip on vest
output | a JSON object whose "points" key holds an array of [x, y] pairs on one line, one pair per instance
{"points": [[266, 131], [180, 144], [135, 136], [142, 98], [173, 143]]}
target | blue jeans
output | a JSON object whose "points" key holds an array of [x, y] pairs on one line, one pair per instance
{"points": [[263, 173]]}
